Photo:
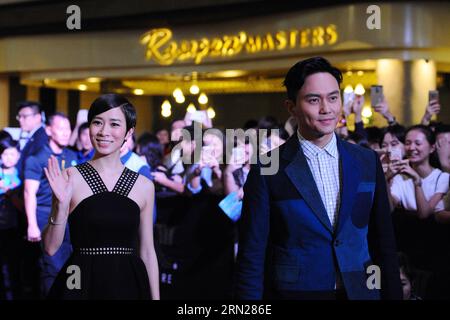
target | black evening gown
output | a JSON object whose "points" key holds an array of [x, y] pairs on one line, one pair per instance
{"points": [[104, 233]]}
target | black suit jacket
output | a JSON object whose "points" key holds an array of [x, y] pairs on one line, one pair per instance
{"points": [[37, 141]]}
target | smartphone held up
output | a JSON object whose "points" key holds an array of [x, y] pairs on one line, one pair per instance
{"points": [[433, 95], [376, 95]]}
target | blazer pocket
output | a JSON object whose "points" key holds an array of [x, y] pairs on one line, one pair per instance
{"points": [[286, 273]]}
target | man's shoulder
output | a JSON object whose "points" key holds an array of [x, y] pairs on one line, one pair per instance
{"points": [[40, 155], [40, 135]]}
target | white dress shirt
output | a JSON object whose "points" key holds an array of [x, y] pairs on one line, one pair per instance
{"points": [[324, 165]]}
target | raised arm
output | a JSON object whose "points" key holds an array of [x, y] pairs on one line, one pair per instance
{"points": [[432, 108], [62, 187]]}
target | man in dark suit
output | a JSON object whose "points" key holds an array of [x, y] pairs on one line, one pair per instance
{"points": [[33, 136], [320, 227]]}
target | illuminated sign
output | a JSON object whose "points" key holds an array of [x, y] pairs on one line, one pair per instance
{"points": [[161, 48]]}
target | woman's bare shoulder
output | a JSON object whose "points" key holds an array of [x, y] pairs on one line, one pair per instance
{"points": [[73, 172], [145, 184], [77, 178]]}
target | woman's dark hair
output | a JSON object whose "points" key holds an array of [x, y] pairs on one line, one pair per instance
{"points": [[5, 135], [429, 135], [296, 76], [358, 138], [151, 149], [374, 135], [397, 130], [8, 143], [268, 122], [112, 100]]}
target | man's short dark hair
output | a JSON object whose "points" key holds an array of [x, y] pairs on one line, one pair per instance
{"points": [[35, 106], [296, 76], [442, 128], [51, 118]]}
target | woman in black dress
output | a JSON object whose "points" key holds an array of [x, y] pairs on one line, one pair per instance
{"points": [[109, 210]]}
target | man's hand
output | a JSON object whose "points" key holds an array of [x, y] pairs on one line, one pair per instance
{"points": [[33, 233]]}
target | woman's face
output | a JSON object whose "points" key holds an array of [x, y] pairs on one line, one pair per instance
{"points": [[10, 157], [108, 130], [417, 147], [215, 143], [390, 141]]}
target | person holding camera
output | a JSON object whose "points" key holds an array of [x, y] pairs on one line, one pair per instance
{"points": [[236, 171], [433, 108], [151, 150], [392, 150], [416, 185]]}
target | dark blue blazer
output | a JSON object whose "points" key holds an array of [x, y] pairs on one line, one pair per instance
{"points": [[37, 141], [287, 244]]}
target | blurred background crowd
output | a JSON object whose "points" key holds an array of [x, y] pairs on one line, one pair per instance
{"points": [[220, 64]]}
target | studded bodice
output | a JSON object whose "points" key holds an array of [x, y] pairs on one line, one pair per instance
{"points": [[106, 219]]}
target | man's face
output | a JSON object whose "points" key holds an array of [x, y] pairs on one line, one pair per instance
{"points": [[318, 106], [59, 132], [443, 143], [85, 140], [28, 119]]}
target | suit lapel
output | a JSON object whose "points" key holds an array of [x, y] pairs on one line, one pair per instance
{"points": [[300, 175], [350, 177]]}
